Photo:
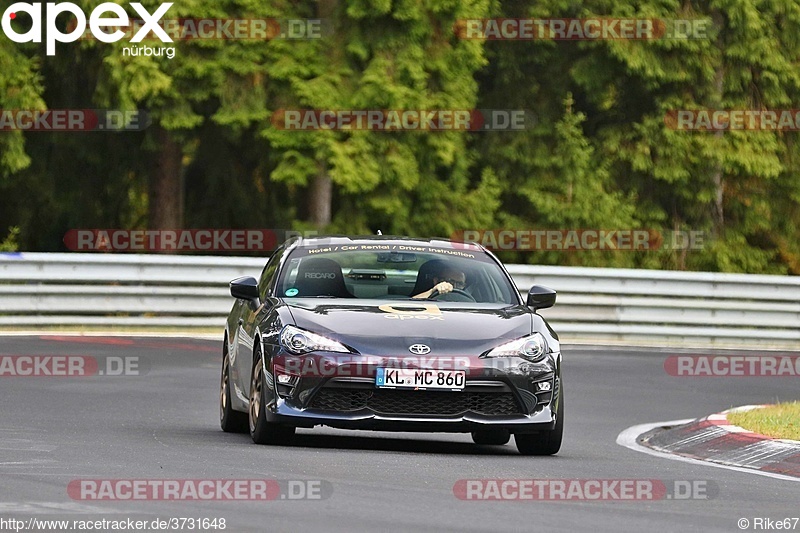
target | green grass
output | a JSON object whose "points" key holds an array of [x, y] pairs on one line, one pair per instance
{"points": [[781, 421]]}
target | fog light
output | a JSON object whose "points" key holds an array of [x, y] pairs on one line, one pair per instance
{"points": [[284, 378], [543, 386]]}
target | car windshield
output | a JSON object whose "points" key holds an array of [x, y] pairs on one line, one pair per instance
{"points": [[393, 271]]}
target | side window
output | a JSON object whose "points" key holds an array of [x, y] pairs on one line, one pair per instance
{"points": [[289, 276], [269, 272]]}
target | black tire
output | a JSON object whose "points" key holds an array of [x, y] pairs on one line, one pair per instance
{"points": [[545, 442], [229, 420], [262, 431], [496, 437]]}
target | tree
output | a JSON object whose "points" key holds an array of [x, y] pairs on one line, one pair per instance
{"points": [[383, 56]]}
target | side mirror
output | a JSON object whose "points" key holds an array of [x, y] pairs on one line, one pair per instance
{"points": [[541, 297], [245, 288]]}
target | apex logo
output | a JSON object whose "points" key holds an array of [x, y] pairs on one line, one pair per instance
{"points": [[97, 21]]}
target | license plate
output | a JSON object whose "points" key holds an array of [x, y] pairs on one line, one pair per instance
{"points": [[422, 379]]}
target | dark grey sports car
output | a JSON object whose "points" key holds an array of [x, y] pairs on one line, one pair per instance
{"points": [[393, 334]]}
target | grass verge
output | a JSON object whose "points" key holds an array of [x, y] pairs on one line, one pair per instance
{"points": [[781, 421]]}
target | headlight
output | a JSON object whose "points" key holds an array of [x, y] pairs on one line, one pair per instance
{"points": [[532, 347], [299, 342]]}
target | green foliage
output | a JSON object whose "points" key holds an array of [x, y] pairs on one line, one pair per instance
{"points": [[735, 186], [603, 153], [9, 243], [20, 88]]}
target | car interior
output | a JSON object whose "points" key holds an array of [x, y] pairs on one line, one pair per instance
{"points": [[371, 276]]}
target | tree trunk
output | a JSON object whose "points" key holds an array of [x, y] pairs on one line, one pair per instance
{"points": [[719, 189], [717, 176], [165, 186], [320, 197]]}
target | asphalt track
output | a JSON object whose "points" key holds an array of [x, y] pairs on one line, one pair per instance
{"points": [[163, 425]]}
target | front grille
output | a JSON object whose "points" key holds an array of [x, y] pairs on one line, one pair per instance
{"points": [[400, 402], [341, 399]]}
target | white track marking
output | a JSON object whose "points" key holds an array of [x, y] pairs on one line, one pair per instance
{"points": [[143, 334], [38, 508]]}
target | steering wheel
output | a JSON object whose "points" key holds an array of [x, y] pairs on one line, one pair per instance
{"points": [[467, 297]]}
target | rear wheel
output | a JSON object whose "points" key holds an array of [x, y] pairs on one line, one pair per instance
{"points": [[231, 421], [545, 442], [262, 431], [491, 436]]}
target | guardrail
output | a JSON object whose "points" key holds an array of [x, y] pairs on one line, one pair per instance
{"points": [[657, 306], [594, 304]]}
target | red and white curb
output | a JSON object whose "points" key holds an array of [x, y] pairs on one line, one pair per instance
{"points": [[714, 441]]}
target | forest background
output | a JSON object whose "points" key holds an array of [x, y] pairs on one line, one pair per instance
{"points": [[601, 153]]}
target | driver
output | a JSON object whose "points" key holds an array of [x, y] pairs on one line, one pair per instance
{"points": [[445, 281]]}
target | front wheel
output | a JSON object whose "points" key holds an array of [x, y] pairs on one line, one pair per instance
{"points": [[231, 421], [262, 431], [546, 442]]}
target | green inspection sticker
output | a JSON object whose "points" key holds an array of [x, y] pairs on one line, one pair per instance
{"points": [[291, 292]]}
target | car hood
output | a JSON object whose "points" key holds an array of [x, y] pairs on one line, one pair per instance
{"points": [[389, 327]]}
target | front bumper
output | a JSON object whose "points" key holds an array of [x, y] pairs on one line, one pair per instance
{"points": [[499, 394], [283, 414]]}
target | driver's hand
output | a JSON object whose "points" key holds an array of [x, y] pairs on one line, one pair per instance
{"points": [[443, 287]]}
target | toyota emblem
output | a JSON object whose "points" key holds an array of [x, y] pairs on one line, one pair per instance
{"points": [[419, 349]]}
